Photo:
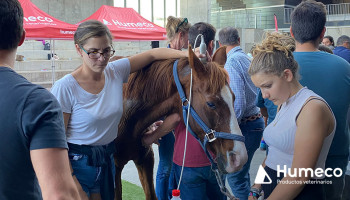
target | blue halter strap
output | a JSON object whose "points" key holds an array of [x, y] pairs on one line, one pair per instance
{"points": [[210, 135]]}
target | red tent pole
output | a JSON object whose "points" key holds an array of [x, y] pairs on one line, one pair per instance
{"points": [[276, 25]]}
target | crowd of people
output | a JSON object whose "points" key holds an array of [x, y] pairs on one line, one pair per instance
{"points": [[294, 92]]}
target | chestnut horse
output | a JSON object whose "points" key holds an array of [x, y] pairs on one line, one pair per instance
{"points": [[151, 94]]}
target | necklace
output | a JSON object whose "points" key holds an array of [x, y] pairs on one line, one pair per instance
{"points": [[286, 105]]}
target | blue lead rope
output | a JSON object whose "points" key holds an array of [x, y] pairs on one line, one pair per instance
{"points": [[211, 135]]}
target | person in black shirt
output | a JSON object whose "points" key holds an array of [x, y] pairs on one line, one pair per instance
{"points": [[33, 148]]}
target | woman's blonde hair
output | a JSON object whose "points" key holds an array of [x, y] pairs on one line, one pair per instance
{"points": [[90, 29], [274, 55], [175, 25]]}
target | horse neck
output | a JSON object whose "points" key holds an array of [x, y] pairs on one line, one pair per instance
{"points": [[149, 95]]}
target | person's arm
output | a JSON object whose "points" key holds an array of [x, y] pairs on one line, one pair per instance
{"points": [[42, 124], [141, 60], [314, 124], [264, 114], [260, 102], [257, 186], [66, 118], [52, 169], [169, 124], [82, 194]]}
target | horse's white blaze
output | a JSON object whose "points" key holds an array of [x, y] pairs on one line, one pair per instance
{"points": [[239, 157], [228, 98]]}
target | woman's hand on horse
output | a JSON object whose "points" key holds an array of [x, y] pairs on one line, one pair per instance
{"points": [[149, 136], [160, 129]]}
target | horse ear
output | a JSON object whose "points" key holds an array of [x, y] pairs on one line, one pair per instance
{"points": [[194, 61], [220, 56]]}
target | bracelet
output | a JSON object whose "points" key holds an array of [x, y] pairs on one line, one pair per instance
{"points": [[255, 192]]}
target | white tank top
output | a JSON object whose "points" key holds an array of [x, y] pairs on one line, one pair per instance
{"points": [[280, 133]]}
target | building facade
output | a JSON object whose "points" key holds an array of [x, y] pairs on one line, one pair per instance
{"points": [[260, 14], [71, 11]]}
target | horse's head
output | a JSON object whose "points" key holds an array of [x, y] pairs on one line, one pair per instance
{"points": [[213, 100]]}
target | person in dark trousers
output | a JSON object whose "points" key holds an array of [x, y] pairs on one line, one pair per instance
{"points": [[248, 114], [92, 105], [177, 34], [301, 134], [327, 75], [33, 148]]}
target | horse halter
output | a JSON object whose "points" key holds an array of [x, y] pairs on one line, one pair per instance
{"points": [[210, 134]]}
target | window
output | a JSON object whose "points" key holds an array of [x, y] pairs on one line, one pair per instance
{"points": [[158, 12], [146, 9]]}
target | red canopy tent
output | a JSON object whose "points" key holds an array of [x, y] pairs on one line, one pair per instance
{"points": [[127, 24], [40, 25]]}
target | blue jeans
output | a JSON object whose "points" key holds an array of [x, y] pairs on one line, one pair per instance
{"points": [[334, 191], [198, 183], [240, 181], [89, 177], [164, 177]]}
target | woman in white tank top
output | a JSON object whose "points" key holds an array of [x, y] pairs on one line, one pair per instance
{"points": [[302, 132]]}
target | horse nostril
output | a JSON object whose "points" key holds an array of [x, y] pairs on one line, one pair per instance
{"points": [[231, 153], [221, 163]]}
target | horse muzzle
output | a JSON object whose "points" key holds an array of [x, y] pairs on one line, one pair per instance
{"points": [[234, 160]]}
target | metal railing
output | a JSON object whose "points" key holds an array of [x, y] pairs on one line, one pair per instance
{"points": [[338, 12], [335, 12], [287, 13], [256, 18], [239, 18], [338, 9]]}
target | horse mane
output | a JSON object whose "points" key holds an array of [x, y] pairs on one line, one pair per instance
{"points": [[218, 77], [154, 82]]}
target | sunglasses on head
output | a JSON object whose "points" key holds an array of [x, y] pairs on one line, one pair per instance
{"points": [[178, 26]]}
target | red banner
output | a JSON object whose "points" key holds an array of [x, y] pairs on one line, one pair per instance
{"points": [[127, 24], [276, 25]]}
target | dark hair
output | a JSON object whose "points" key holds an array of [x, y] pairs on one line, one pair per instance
{"points": [[11, 24], [201, 28], [330, 38], [324, 48], [90, 29], [343, 39], [229, 36], [308, 21]]}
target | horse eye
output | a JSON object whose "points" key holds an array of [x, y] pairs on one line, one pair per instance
{"points": [[211, 105]]}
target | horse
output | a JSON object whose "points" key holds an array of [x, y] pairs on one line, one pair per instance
{"points": [[151, 94]]}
